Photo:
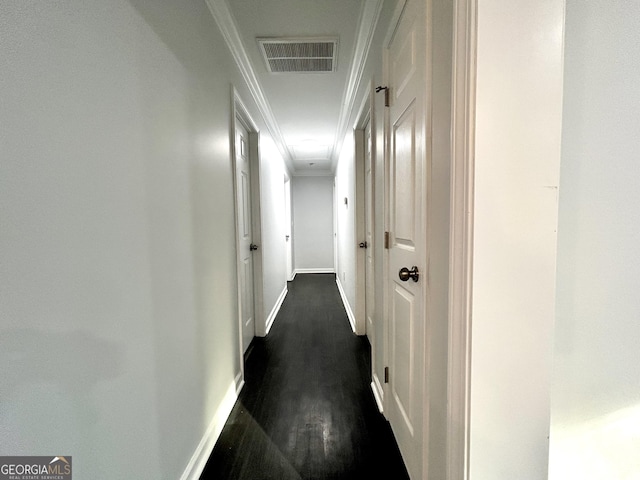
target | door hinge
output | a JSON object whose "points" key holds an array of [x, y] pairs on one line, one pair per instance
{"points": [[386, 94], [386, 374], [386, 240]]}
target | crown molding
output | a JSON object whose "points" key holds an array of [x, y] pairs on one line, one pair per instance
{"points": [[226, 23], [366, 28]]}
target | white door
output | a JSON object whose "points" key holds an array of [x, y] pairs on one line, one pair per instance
{"points": [[406, 208], [244, 227], [287, 228], [368, 235]]}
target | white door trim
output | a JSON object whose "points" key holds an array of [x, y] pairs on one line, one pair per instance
{"points": [[240, 112], [461, 237]]}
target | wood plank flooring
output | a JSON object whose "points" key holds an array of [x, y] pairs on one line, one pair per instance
{"points": [[306, 410]]}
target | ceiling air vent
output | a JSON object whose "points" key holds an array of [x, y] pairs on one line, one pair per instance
{"points": [[299, 55]]}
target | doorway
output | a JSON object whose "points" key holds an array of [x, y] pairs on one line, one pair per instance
{"points": [[244, 228], [248, 226], [288, 228], [407, 255], [365, 218]]}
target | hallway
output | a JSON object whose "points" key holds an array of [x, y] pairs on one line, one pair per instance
{"points": [[515, 127], [306, 410]]}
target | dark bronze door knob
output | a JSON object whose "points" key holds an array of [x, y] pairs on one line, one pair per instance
{"points": [[405, 274]]}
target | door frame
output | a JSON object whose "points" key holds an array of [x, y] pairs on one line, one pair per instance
{"points": [[372, 111], [461, 237], [422, 423], [240, 112], [386, 126]]}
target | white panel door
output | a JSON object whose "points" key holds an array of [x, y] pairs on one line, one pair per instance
{"points": [[244, 224], [368, 235], [406, 63]]}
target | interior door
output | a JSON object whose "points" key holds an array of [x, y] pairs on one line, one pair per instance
{"points": [[368, 230], [406, 208], [287, 228], [244, 228]]}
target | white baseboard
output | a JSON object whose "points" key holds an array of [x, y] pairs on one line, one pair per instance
{"points": [[314, 270], [276, 308], [205, 447], [347, 307], [239, 383], [376, 388]]}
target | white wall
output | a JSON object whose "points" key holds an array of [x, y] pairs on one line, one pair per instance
{"points": [[272, 212], [118, 309], [345, 220], [312, 203], [517, 156], [595, 430]]}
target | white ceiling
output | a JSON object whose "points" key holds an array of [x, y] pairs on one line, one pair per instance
{"points": [[305, 112]]}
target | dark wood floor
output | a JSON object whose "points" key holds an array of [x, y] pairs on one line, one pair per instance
{"points": [[306, 410]]}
